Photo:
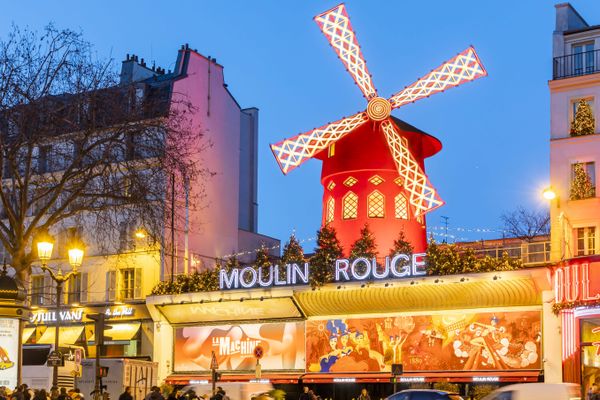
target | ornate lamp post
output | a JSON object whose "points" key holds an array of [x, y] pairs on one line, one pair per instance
{"points": [[44, 247]]}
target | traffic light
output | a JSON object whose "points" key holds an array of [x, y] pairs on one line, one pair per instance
{"points": [[99, 328], [102, 372], [216, 376]]}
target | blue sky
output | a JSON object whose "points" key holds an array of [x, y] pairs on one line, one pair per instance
{"points": [[495, 130]]}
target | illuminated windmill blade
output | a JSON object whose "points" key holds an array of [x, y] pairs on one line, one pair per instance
{"points": [[335, 25], [423, 196], [292, 152], [465, 67]]}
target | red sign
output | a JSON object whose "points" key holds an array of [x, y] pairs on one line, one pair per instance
{"points": [[258, 352], [577, 280]]}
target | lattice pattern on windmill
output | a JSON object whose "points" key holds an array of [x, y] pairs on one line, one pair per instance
{"points": [[294, 151], [400, 206], [376, 180], [422, 193], [350, 181], [331, 185], [350, 205], [335, 25], [330, 210], [463, 68], [376, 204]]}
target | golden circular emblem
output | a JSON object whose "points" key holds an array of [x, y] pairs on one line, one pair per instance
{"points": [[379, 109]]}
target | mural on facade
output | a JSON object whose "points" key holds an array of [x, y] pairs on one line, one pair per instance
{"points": [[457, 341], [282, 343]]}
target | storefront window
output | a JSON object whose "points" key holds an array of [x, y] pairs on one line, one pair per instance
{"points": [[590, 353]]}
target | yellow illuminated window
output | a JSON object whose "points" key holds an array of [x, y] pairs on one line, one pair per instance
{"points": [[376, 205], [331, 185], [376, 180], [401, 206], [398, 181], [350, 181], [350, 206], [330, 210], [331, 150]]}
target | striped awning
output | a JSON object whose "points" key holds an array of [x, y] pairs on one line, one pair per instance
{"points": [[427, 294], [67, 335]]}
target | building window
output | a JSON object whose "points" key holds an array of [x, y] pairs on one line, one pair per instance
{"points": [[37, 290], [74, 289], [583, 58], [331, 185], [350, 181], [127, 284], [400, 206], [575, 104], [330, 210], [586, 241], [583, 181], [376, 180], [376, 205], [331, 150], [350, 206]]}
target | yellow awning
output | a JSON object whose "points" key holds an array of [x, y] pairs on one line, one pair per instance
{"points": [[426, 295], [120, 332], [27, 332], [67, 335]]}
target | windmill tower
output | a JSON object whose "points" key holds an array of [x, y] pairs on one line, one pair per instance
{"points": [[373, 163]]}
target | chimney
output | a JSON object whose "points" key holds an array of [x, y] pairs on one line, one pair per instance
{"points": [[134, 71], [567, 19]]}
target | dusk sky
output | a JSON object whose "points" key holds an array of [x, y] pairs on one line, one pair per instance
{"points": [[495, 131]]}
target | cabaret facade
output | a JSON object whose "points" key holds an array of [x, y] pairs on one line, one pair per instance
{"points": [[472, 328]]}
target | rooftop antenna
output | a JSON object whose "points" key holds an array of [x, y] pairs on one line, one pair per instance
{"points": [[445, 227]]}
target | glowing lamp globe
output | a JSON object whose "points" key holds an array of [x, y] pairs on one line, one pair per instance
{"points": [[75, 257], [549, 193], [44, 249]]}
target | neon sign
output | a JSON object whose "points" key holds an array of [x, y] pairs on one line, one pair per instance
{"points": [[359, 269], [573, 283]]}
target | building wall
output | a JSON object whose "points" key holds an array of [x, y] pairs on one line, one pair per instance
{"points": [[248, 202]]}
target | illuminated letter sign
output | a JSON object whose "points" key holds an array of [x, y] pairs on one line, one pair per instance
{"points": [[576, 282], [359, 269]]}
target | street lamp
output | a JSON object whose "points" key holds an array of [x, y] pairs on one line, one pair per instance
{"points": [[44, 248], [549, 193]]}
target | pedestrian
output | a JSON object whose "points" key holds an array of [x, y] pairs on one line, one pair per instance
{"points": [[154, 394], [304, 395], [54, 393], [126, 395], [26, 393], [41, 395], [63, 395], [218, 394], [224, 395], [364, 395]]}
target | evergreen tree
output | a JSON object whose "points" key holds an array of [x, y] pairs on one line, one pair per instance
{"points": [[583, 122], [231, 262], [328, 250], [401, 245], [262, 257], [581, 186], [292, 253], [365, 245], [263, 261]]}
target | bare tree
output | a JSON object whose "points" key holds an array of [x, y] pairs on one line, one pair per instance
{"points": [[76, 145], [526, 224]]}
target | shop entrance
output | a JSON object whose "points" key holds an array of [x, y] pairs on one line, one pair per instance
{"points": [[590, 353]]}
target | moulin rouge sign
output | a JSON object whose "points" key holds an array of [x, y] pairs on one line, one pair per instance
{"points": [[359, 269], [577, 280]]}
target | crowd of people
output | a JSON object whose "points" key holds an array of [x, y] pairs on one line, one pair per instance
{"points": [[24, 392]]}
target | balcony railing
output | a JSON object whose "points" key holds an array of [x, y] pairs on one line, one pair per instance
{"points": [[530, 254], [587, 62]]}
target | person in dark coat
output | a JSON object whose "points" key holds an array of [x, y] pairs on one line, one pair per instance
{"points": [[126, 395]]}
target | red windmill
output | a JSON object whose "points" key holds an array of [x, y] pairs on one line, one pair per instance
{"points": [[373, 164]]}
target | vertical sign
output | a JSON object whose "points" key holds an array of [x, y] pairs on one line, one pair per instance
{"points": [[9, 351]]}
